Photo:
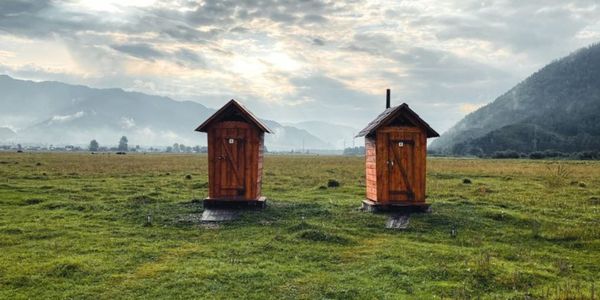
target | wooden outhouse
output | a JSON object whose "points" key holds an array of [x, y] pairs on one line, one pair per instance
{"points": [[395, 159], [235, 156]]}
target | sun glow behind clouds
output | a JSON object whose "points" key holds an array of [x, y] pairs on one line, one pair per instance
{"points": [[248, 67], [283, 62], [469, 107]]}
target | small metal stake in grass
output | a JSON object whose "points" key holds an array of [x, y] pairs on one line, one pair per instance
{"points": [[148, 220]]}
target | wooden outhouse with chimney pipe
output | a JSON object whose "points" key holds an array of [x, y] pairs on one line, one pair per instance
{"points": [[395, 159], [235, 157]]}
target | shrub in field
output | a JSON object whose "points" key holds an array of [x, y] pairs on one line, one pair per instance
{"points": [[32, 201], [482, 275], [301, 226], [332, 183], [12, 231], [563, 267], [66, 270], [200, 185], [141, 200], [557, 175], [536, 229], [316, 235]]}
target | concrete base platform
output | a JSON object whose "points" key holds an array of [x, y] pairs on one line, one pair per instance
{"points": [[402, 207], [219, 215], [398, 221], [211, 203]]}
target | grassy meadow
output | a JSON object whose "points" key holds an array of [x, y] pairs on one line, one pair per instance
{"points": [[126, 226]]}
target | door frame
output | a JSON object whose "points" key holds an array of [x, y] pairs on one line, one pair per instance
{"points": [[223, 157], [385, 138], [404, 165]]}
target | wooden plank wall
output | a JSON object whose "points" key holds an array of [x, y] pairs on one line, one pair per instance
{"points": [[371, 168], [259, 171], [382, 168], [419, 155]]}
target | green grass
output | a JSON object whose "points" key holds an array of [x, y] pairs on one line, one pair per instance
{"points": [[76, 226]]}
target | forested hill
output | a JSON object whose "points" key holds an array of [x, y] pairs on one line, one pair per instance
{"points": [[556, 108]]}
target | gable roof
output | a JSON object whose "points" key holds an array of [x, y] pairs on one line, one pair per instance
{"points": [[392, 112], [246, 114]]}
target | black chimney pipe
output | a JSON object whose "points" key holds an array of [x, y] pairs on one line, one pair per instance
{"points": [[387, 99]]}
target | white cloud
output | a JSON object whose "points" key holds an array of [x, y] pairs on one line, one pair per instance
{"points": [[127, 123], [66, 118]]}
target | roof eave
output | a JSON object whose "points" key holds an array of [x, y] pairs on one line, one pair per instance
{"points": [[370, 129], [263, 127]]}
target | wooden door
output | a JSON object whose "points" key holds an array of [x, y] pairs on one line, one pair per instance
{"points": [[231, 162], [400, 166]]}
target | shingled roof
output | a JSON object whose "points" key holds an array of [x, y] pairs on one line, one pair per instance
{"points": [[244, 112], [389, 114]]}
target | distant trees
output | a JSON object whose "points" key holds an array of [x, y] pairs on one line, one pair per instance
{"points": [[181, 148], [355, 151], [506, 154], [94, 146], [199, 149], [123, 144], [186, 149]]}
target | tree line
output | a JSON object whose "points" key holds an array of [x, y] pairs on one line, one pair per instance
{"points": [[123, 146]]}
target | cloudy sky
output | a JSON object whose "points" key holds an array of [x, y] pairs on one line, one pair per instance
{"points": [[296, 60]]}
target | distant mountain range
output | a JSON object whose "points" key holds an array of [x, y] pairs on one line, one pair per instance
{"points": [[58, 113], [556, 108], [339, 136]]}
